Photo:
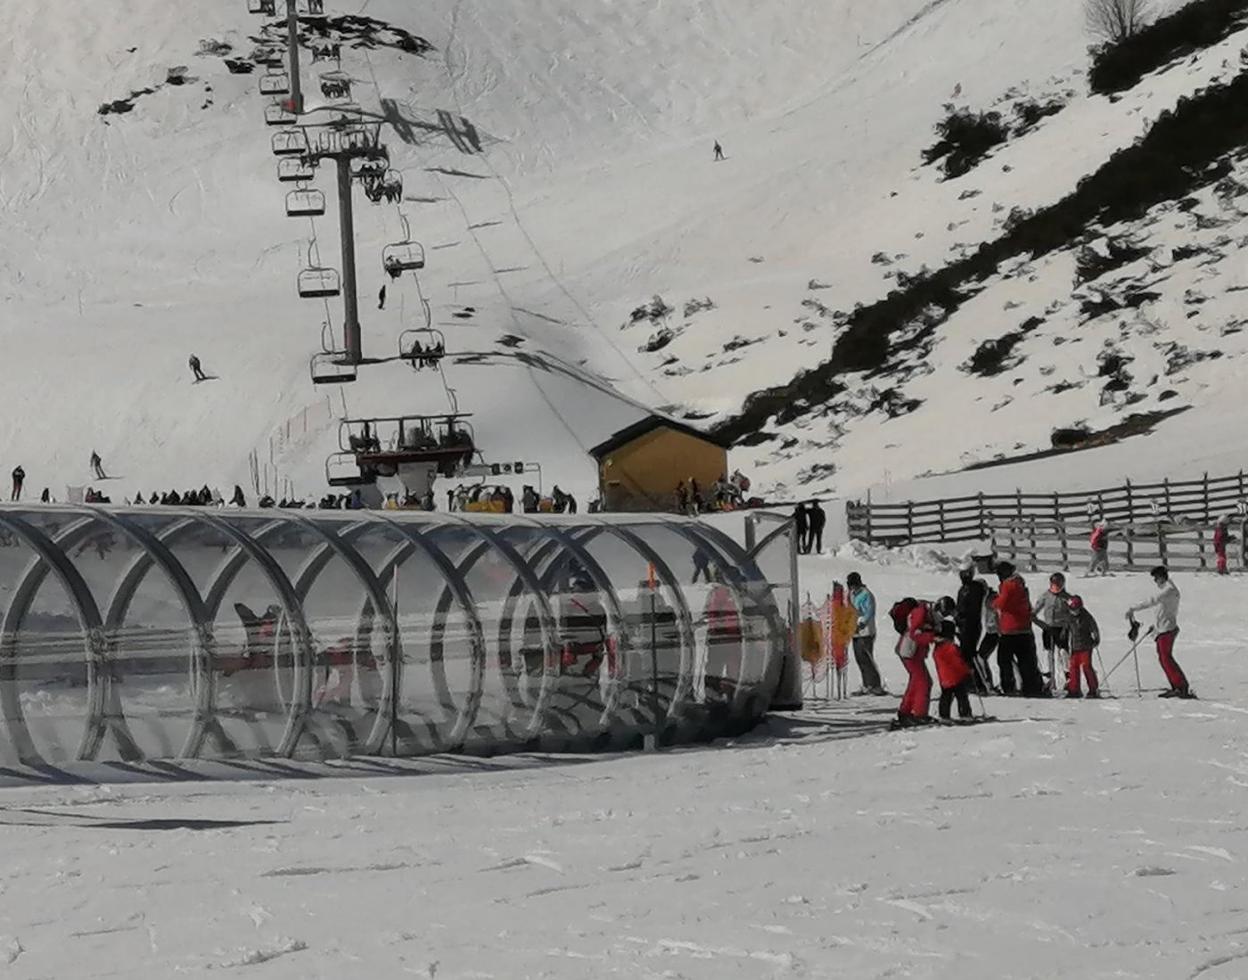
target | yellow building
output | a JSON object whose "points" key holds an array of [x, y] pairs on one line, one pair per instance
{"points": [[640, 466]]}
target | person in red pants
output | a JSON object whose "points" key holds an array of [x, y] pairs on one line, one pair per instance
{"points": [[1221, 538], [913, 648], [1084, 637], [1166, 630]]}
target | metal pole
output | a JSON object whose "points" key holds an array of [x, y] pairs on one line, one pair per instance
{"points": [[292, 44], [654, 662], [350, 293]]}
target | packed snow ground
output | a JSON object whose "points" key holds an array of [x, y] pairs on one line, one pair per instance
{"points": [[1073, 839]]}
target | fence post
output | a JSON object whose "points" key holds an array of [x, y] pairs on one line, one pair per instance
{"points": [[1241, 484], [940, 512], [1130, 504], [1161, 542], [909, 522], [1206, 499], [982, 519], [1035, 559], [1165, 488], [1061, 531]]}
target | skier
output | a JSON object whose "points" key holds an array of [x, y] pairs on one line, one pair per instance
{"points": [[969, 620], [802, 518], [1099, 543], [1166, 629], [912, 648], [46, 496], [1084, 636], [719, 152], [238, 500], [953, 673], [988, 644], [818, 521], [19, 477], [1050, 613], [381, 298], [196, 370], [1221, 537], [1017, 643], [97, 466], [681, 498], [863, 601]]}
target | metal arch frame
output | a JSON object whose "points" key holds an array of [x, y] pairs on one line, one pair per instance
{"points": [[300, 702], [28, 585], [613, 609], [546, 616], [203, 655], [306, 578], [88, 616], [416, 542]]}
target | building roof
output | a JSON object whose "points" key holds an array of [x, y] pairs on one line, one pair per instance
{"points": [[647, 425]]}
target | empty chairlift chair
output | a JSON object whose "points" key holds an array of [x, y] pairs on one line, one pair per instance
{"points": [[332, 368], [342, 470], [292, 170], [319, 282], [278, 114], [275, 83], [305, 203], [289, 143]]}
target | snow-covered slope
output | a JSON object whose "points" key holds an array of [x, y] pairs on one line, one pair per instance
{"points": [[134, 239]]}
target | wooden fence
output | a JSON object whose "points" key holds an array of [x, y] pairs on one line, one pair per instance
{"points": [[1044, 545], [973, 518]]}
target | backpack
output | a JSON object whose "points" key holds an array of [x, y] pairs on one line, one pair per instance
{"points": [[900, 613]]}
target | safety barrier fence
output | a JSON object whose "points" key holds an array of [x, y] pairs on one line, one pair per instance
{"points": [[971, 518], [1039, 545], [137, 633]]}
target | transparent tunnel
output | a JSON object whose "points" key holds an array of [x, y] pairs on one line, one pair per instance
{"points": [[163, 633]]}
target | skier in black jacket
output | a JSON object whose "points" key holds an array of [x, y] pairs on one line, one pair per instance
{"points": [[969, 619]]}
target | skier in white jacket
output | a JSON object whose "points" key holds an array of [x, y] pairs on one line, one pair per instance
{"points": [[1166, 601]]}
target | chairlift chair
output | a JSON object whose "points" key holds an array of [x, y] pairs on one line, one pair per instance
{"points": [[305, 203], [277, 114], [431, 350], [342, 470], [266, 7], [336, 85], [291, 170], [332, 368], [275, 83], [402, 257], [444, 441], [315, 8], [319, 282], [290, 142]]}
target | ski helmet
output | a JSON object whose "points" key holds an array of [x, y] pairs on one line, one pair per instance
{"points": [[1075, 602]]}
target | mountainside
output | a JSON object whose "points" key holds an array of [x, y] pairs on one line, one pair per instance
{"points": [[587, 258]]}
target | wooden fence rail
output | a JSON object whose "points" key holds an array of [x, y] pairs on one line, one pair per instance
{"points": [[971, 518], [1040, 545]]}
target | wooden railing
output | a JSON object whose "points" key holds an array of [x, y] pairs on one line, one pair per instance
{"points": [[972, 518], [1044, 545]]}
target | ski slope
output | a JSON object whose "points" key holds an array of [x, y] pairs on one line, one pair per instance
{"points": [[1074, 839]]}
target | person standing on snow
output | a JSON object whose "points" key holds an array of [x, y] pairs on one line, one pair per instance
{"points": [[1099, 543], [719, 152], [1017, 642], [1084, 636], [912, 648], [1221, 538], [801, 517], [1165, 630], [988, 644], [818, 521], [1050, 613], [969, 618], [863, 601], [953, 673], [97, 466], [19, 477], [196, 369]]}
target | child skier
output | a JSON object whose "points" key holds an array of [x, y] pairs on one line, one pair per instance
{"points": [[1099, 543], [953, 673], [1221, 538], [1084, 636]]}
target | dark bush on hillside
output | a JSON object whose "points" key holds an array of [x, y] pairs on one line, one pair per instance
{"points": [[966, 137], [1030, 112], [1091, 264], [1200, 24]]}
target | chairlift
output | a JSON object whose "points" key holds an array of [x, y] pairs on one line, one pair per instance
{"points": [[381, 446], [315, 8], [271, 57], [319, 282], [422, 347], [336, 85], [266, 7], [278, 114], [291, 170], [342, 470], [275, 83], [290, 142], [402, 257], [306, 202], [332, 368]]}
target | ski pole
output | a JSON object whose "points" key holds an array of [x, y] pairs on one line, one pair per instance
{"points": [[1130, 653], [1101, 661], [1139, 688]]}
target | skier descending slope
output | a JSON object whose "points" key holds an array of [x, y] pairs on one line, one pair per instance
{"points": [[1166, 602]]}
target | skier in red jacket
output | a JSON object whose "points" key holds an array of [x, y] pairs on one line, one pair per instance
{"points": [[912, 648], [1018, 643], [953, 673]]}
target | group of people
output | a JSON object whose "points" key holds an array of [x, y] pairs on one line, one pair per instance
{"points": [[727, 493], [962, 633], [19, 481]]}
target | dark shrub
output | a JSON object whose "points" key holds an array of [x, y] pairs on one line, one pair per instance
{"points": [[966, 137]]}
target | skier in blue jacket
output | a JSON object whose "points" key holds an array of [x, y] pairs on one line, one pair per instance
{"points": [[863, 601]]}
